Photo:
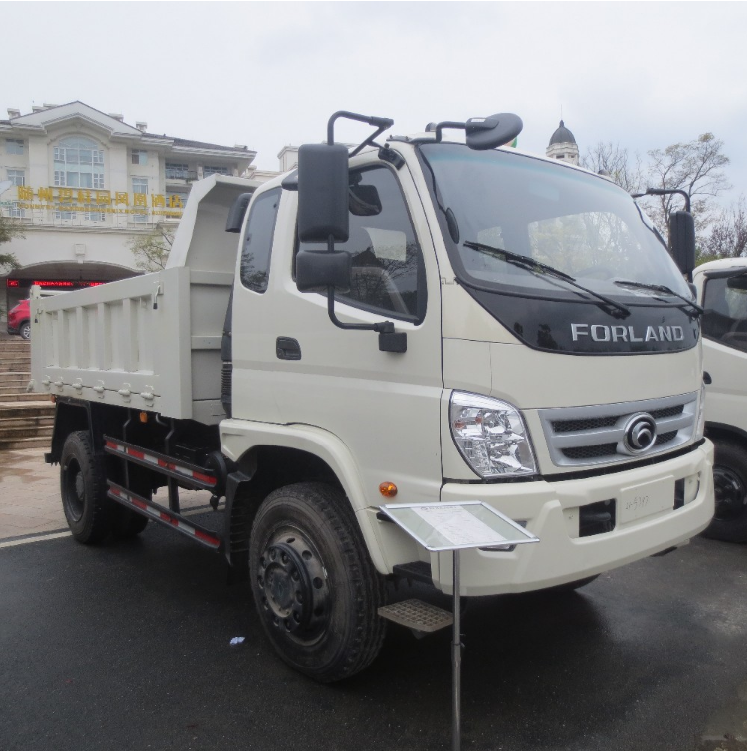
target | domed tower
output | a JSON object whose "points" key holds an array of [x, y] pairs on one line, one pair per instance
{"points": [[563, 145]]}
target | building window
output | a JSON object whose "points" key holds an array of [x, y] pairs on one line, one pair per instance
{"points": [[17, 176], [176, 171], [94, 216], [139, 157], [78, 163], [207, 171], [14, 146], [139, 188]]}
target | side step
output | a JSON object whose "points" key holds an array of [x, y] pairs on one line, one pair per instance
{"points": [[417, 615], [153, 510]]}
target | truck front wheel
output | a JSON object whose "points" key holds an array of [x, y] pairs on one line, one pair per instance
{"points": [[730, 486], [315, 587], [83, 489]]}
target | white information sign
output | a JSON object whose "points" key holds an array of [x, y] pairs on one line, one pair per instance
{"points": [[457, 525]]}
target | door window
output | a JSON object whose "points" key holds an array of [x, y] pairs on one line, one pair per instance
{"points": [[725, 319], [388, 274], [260, 228]]}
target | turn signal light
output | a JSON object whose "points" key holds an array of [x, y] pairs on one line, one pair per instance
{"points": [[388, 489], [143, 417]]}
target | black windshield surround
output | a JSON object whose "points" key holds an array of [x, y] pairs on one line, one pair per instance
{"points": [[545, 312]]}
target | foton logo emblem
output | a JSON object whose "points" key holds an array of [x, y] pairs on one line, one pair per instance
{"points": [[599, 333]]}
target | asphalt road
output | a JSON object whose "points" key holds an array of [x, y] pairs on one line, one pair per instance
{"points": [[126, 646]]}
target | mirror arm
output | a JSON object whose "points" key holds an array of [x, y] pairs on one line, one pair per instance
{"points": [[381, 123], [665, 192], [448, 124]]}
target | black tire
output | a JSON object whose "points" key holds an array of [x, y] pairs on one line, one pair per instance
{"points": [[24, 330], [83, 490], [315, 588], [570, 586], [126, 523], [730, 486]]}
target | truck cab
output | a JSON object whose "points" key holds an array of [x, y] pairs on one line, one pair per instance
{"points": [[722, 291]]}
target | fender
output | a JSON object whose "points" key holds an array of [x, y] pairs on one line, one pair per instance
{"points": [[239, 436]]}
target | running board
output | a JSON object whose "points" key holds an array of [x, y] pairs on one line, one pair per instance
{"points": [[188, 475], [153, 510]]}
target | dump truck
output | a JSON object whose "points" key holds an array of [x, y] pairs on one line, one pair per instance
{"points": [[429, 318]]}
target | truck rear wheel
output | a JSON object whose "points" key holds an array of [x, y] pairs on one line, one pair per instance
{"points": [[730, 486], [315, 588], [83, 489]]}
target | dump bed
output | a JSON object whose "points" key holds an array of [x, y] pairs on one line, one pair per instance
{"points": [[150, 342]]}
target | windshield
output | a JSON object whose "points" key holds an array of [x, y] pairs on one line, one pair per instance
{"points": [[579, 224]]}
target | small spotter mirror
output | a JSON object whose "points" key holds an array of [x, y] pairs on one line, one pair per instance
{"points": [[490, 132]]}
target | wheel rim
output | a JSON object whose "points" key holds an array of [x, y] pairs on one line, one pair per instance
{"points": [[75, 490], [26, 331], [293, 586], [731, 494]]}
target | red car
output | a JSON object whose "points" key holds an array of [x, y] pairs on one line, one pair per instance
{"points": [[19, 320]]}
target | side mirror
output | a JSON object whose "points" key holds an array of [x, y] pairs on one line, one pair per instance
{"points": [[237, 213], [682, 241], [364, 200], [322, 268], [323, 193], [491, 132]]}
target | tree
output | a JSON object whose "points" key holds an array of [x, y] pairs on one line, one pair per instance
{"points": [[697, 167], [614, 161], [728, 234], [151, 251], [8, 230]]}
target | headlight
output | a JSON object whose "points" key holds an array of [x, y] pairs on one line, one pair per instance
{"points": [[491, 436], [700, 424]]}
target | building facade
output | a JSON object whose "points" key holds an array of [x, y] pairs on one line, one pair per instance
{"points": [[82, 184], [563, 145]]}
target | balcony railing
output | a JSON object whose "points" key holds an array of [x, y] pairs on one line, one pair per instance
{"points": [[180, 174]]}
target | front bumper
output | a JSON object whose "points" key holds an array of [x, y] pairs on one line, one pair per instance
{"points": [[549, 510]]}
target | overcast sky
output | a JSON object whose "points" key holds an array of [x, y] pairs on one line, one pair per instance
{"points": [[643, 75]]}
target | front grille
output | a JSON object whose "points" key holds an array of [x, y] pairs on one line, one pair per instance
{"points": [[582, 436]]}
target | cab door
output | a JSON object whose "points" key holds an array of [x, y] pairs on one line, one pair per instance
{"points": [[384, 406]]}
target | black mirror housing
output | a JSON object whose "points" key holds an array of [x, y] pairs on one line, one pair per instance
{"points": [[237, 212], [490, 132], [682, 241], [323, 268], [323, 193]]}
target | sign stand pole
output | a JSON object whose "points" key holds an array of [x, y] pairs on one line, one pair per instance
{"points": [[454, 526], [456, 661]]}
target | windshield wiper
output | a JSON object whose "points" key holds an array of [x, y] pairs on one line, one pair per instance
{"points": [[618, 310], [661, 288]]}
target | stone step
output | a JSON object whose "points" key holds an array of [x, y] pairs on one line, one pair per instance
{"points": [[13, 388], [24, 397], [24, 443], [29, 421], [10, 410], [14, 345], [13, 434], [15, 366], [13, 375]]}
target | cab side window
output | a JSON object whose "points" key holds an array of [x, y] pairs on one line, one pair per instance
{"points": [[388, 273], [255, 255], [725, 319]]}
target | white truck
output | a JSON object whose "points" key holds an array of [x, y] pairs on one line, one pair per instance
{"points": [[722, 291], [520, 359]]}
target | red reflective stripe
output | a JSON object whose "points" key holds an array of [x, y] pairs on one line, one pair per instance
{"points": [[205, 478], [136, 454], [206, 538], [112, 445], [115, 491], [140, 504]]}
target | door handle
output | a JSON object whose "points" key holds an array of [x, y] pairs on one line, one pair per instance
{"points": [[287, 348]]}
